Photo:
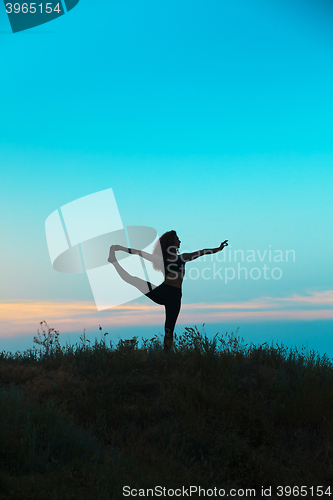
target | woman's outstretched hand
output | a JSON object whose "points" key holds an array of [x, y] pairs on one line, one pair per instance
{"points": [[223, 244]]}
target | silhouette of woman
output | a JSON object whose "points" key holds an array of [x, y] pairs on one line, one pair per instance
{"points": [[172, 264]]}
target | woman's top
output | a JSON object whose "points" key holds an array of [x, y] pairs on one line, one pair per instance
{"points": [[174, 265]]}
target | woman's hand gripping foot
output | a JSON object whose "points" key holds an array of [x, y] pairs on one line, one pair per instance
{"points": [[112, 256]]}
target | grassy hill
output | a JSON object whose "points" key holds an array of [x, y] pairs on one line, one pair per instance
{"points": [[84, 421]]}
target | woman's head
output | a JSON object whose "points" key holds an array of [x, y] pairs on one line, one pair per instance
{"points": [[169, 243]]}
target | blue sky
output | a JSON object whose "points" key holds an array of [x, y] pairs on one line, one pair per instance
{"points": [[211, 118]]}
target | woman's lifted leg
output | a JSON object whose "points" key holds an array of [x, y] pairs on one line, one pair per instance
{"points": [[142, 285]]}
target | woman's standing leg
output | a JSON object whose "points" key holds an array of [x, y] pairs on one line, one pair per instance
{"points": [[172, 310]]}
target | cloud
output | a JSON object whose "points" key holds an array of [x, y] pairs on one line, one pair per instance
{"points": [[318, 299], [23, 317]]}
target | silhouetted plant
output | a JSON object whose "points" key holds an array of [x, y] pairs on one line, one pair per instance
{"points": [[84, 340], [47, 338], [128, 345], [192, 339]]}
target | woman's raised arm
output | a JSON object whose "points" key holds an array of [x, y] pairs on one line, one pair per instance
{"points": [[186, 257], [141, 253]]}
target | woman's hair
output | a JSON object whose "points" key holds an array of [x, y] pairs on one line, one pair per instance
{"points": [[165, 241]]}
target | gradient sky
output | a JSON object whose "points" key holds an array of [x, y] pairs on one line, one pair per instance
{"points": [[210, 118]]}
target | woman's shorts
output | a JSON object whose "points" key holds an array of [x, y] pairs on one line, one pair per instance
{"points": [[165, 294]]}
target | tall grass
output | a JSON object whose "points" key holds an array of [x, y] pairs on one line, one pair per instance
{"points": [[87, 419]]}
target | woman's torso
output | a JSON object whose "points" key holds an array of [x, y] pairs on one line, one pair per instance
{"points": [[174, 271]]}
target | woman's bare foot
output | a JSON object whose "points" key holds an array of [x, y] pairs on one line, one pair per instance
{"points": [[112, 256]]}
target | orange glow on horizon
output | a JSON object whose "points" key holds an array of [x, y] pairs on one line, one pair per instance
{"points": [[23, 317]]}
